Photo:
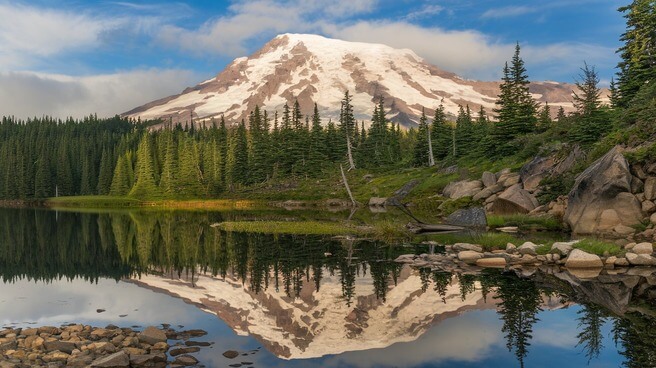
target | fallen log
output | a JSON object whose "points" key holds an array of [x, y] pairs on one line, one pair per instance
{"points": [[417, 228]]}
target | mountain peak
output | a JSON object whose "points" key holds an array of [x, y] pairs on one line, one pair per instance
{"points": [[310, 69]]}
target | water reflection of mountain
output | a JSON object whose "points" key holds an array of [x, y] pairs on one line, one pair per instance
{"points": [[320, 322], [307, 296]]}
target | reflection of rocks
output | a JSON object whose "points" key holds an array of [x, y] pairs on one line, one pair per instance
{"points": [[316, 323]]}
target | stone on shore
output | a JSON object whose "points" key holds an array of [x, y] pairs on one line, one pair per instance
{"points": [[469, 256], [581, 259], [152, 335], [494, 262], [116, 360]]}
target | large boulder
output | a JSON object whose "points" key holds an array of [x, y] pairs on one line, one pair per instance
{"points": [[514, 200], [533, 172], [601, 198], [468, 217], [464, 188]]}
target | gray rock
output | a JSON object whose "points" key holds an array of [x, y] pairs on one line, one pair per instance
{"points": [[469, 256], [580, 259], [464, 188], [562, 248], [185, 360], [509, 179], [468, 217], [640, 259], [459, 247], [650, 188], [621, 262], [514, 200], [601, 197], [116, 360], [528, 248], [643, 248], [146, 360], [533, 172], [184, 350], [65, 346], [152, 335], [231, 354], [488, 179]]}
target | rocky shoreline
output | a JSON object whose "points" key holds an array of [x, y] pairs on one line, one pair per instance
{"points": [[78, 345], [464, 257]]}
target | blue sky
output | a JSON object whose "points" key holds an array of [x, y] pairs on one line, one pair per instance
{"points": [[78, 57]]}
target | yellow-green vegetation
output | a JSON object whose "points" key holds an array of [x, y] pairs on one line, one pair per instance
{"points": [[101, 202], [294, 227], [525, 222], [489, 241], [599, 247]]}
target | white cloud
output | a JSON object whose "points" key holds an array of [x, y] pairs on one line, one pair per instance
{"points": [[473, 54], [509, 11], [426, 11], [28, 32], [230, 34], [25, 94]]}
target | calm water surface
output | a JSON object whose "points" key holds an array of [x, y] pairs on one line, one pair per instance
{"points": [[311, 301]]}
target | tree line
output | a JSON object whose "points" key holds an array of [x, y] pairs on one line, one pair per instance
{"points": [[46, 157]]}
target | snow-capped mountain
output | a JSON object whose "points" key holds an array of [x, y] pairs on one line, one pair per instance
{"points": [[311, 68]]}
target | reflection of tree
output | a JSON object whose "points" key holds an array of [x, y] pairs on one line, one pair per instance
{"points": [[441, 281], [519, 303], [467, 285], [591, 319], [636, 333]]}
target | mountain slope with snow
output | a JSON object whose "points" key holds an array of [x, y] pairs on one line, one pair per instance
{"points": [[311, 68]]}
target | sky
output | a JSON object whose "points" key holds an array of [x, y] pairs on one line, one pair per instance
{"points": [[75, 58]]}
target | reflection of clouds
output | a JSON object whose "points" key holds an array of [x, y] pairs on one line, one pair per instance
{"points": [[557, 328], [62, 301], [472, 338]]}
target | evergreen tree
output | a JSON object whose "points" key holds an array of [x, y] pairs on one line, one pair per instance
{"points": [[145, 185], [240, 164], [317, 145], [515, 110], [168, 179], [121, 181], [420, 155], [441, 133], [638, 52], [544, 118], [105, 173], [464, 132], [591, 121]]}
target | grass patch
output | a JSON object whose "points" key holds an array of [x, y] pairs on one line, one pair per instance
{"points": [[100, 202], [291, 227], [525, 222], [543, 249], [598, 247], [489, 241]]}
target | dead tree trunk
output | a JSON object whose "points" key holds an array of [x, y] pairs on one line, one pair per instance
{"points": [[348, 189], [431, 157], [350, 154]]}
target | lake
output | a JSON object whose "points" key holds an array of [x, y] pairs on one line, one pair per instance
{"points": [[311, 301]]}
